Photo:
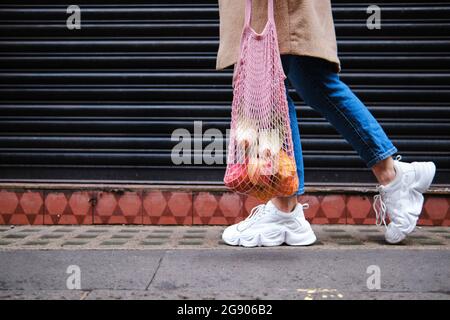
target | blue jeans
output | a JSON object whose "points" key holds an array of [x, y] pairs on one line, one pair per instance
{"points": [[317, 83]]}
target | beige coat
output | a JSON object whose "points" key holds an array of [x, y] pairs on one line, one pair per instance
{"points": [[304, 27]]}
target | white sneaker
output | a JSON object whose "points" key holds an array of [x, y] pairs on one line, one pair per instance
{"points": [[268, 226], [402, 198]]}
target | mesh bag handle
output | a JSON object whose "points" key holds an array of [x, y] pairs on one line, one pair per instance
{"points": [[247, 23], [260, 159], [248, 12]]}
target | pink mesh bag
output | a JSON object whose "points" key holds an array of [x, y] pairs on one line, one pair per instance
{"points": [[260, 159]]}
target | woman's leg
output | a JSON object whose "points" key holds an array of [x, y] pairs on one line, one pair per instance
{"points": [[320, 87], [384, 171], [287, 204]]}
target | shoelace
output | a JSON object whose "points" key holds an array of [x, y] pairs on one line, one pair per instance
{"points": [[256, 213], [380, 210], [380, 199]]}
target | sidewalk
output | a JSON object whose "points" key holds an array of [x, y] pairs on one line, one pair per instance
{"points": [[199, 237], [156, 262]]}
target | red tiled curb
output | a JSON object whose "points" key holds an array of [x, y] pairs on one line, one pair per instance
{"points": [[436, 211], [325, 209], [167, 207], [217, 208], [360, 210], [117, 208], [21, 207], [177, 207], [67, 207]]}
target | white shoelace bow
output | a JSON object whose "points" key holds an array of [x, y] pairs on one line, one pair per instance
{"points": [[381, 209], [256, 213]]}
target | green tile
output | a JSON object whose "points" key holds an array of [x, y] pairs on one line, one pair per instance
{"points": [[74, 243], [194, 236], [375, 238], [196, 231], [152, 243], [369, 230], [96, 231], [121, 236], [158, 236], [190, 242], [378, 240], [341, 236], [418, 237], [51, 236], [430, 242], [86, 236], [349, 243], [16, 236], [64, 230], [113, 243], [162, 231], [439, 231], [334, 230], [36, 243], [130, 231]]}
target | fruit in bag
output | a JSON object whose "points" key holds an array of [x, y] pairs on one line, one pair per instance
{"points": [[286, 176], [237, 178], [260, 171], [269, 143], [260, 143], [262, 193], [246, 135]]}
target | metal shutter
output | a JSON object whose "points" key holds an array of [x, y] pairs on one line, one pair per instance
{"points": [[100, 103]]}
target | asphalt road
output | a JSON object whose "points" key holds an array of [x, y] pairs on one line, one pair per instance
{"points": [[229, 273]]}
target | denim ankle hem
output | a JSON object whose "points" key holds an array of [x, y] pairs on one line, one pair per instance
{"points": [[382, 156]]}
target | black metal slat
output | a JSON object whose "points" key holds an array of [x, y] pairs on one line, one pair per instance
{"points": [[100, 104]]}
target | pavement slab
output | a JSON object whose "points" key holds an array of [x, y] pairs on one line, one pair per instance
{"points": [[123, 262], [185, 237]]}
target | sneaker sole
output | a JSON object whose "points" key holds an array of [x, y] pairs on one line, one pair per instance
{"points": [[261, 240]]}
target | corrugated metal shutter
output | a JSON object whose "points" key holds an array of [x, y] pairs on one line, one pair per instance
{"points": [[100, 103]]}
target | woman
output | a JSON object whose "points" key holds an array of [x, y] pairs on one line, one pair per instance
{"points": [[308, 49]]}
